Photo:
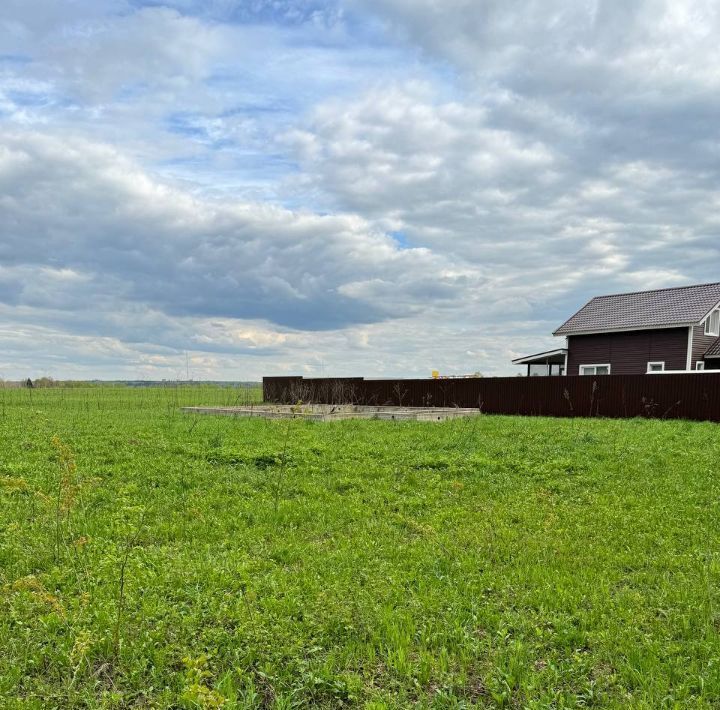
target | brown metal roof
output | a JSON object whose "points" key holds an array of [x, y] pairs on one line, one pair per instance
{"points": [[662, 308], [714, 349]]}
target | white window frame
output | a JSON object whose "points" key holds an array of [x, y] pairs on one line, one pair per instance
{"points": [[594, 366], [712, 323], [700, 366], [656, 362]]}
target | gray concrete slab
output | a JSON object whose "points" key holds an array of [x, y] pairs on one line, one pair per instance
{"points": [[336, 412]]}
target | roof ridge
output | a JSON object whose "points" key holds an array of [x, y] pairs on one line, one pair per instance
{"points": [[655, 290]]}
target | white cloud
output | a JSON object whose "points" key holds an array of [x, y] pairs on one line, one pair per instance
{"points": [[276, 186], [556, 44], [96, 250], [504, 202], [97, 51], [76, 207]]}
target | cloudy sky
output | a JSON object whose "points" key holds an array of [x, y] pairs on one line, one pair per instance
{"points": [[366, 187]]}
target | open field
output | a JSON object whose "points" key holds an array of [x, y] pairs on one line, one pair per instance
{"points": [[154, 559]]}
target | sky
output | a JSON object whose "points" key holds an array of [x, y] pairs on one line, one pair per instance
{"points": [[225, 189]]}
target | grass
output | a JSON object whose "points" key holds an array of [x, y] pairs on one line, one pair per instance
{"points": [[152, 559]]}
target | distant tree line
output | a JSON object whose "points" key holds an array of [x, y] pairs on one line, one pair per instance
{"points": [[45, 382]]}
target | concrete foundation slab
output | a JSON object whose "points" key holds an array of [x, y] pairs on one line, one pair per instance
{"points": [[336, 412]]}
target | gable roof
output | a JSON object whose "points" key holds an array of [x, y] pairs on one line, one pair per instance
{"points": [[662, 308]]}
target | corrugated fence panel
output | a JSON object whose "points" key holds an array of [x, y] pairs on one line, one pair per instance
{"points": [[676, 396]]}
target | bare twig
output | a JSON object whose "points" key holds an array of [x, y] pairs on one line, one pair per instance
{"points": [[129, 545]]}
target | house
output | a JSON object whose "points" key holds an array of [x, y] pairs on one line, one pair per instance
{"points": [[669, 329]]}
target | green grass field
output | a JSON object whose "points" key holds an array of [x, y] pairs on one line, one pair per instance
{"points": [[154, 559]]}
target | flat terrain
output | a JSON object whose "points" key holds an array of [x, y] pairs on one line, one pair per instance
{"points": [[154, 559]]}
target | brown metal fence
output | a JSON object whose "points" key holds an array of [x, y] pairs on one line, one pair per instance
{"points": [[671, 396]]}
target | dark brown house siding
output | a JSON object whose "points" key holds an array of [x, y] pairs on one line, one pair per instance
{"points": [[701, 343], [629, 353]]}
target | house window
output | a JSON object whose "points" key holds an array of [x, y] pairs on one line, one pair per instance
{"points": [[700, 365], [594, 369], [656, 367], [712, 324]]}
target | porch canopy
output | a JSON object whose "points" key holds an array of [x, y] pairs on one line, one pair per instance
{"points": [[551, 362]]}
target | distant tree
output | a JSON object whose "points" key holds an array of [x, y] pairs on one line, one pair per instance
{"points": [[44, 382], [478, 374]]}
